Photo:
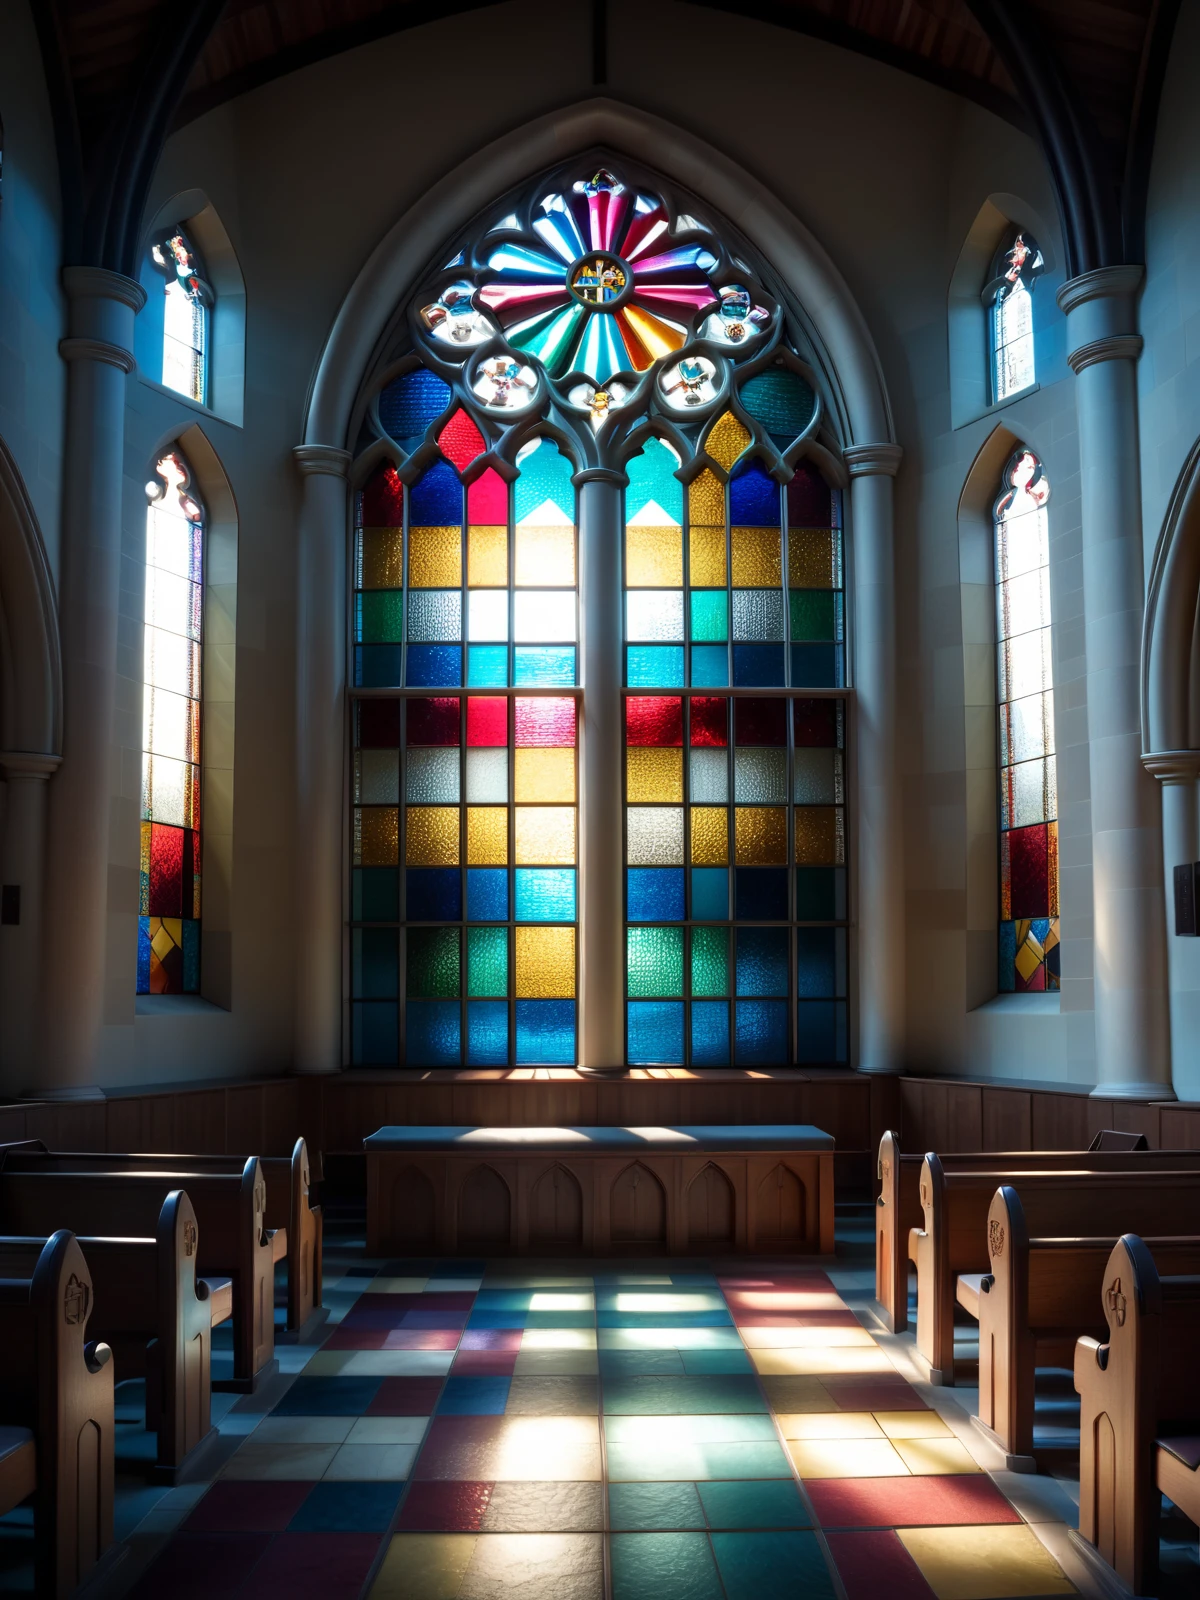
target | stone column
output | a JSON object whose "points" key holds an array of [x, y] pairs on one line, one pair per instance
{"points": [[102, 307], [321, 840], [878, 884], [1132, 1038], [22, 863], [601, 759], [1178, 772]]}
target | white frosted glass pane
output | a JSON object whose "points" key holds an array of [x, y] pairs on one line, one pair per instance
{"points": [[710, 777], [1027, 728], [434, 615], [817, 778], [166, 785], [1024, 603], [172, 543], [487, 776], [487, 615], [172, 662], [654, 836], [376, 777], [760, 777], [171, 602], [167, 724], [1023, 543], [182, 370], [1025, 665], [431, 777], [545, 616], [654, 614], [1028, 793], [758, 614]]}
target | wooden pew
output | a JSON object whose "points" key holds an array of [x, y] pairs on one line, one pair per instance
{"points": [[898, 1208], [954, 1239], [234, 1241], [1139, 1402], [1039, 1297], [56, 1414], [297, 1226]]}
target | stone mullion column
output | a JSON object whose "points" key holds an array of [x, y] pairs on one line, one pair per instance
{"points": [[1178, 773], [99, 351], [875, 821], [321, 837], [1132, 1036], [601, 763]]}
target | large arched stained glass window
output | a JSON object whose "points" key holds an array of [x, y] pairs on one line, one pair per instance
{"points": [[1029, 947]]}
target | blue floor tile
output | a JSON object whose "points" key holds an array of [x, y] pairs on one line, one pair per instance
{"points": [[474, 1397], [772, 1566], [347, 1508], [668, 1396], [328, 1397], [708, 1363]]}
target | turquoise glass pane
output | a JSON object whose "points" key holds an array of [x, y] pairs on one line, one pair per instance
{"points": [[652, 478], [487, 1033], [710, 666], [710, 961], [432, 963], [546, 666], [377, 666], [710, 1037], [545, 894], [487, 666], [760, 1038], [546, 1033], [820, 894], [815, 614], [817, 666], [781, 402], [374, 895], [654, 666], [654, 961], [380, 616], [710, 894], [434, 1033], [374, 1027], [710, 615], [374, 964], [821, 1032], [545, 475], [487, 961], [655, 1032]]}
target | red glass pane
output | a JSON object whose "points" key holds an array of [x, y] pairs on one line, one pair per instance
{"points": [[378, 724], [166, 871], [433, 721], [1028, 872], [487, 499], [761, 721], [381, 503], [487, 721], [710, 721], [814, 723], [653, 720], [547, 722], [1036, 982], [460, 441], [808, 499]]}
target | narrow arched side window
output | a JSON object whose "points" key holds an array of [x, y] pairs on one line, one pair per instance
{"points": [[169, 921], [1029, 947], [187, 311], [1009, 298]]}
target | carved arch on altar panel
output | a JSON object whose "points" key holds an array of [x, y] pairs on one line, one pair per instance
{"points": [[711, 1208], [638, 1208], [556, 1210], [485, 1209], [780, 1211]]}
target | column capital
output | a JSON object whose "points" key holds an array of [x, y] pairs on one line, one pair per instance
{"points": [[28, 764], [98, 283], [1115, 347], [113, 355], [1105, 283], [314, 459], [1173, 766], [611, 475], [870, 460]]}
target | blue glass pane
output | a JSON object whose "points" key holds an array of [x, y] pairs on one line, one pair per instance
{"points": [[821, 1031], [191, 956], [375, 970], [487, 894], [655, 1032], [545, 894], [374, 1029], [655, 894], [375, 894], [487, 1033], [434, 666], [377, 666], [817, 666], [1008, 957], [409, 404], [710, 894], [755, 666], [761, 1033], [654, 666], [652, 478], [434, 1033], [433, 894], [820, 963], [710, 1033], [143, 956], [545, 475], [710, 666], [436, 499], [546, 1033], [754, 499], [762, 961], [551, 666], [487, 666], [761, 894]]}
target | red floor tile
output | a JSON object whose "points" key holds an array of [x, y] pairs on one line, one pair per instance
{"points": [[864, 1394], [907, 1502], [421, 1339], [484, 1364], [310, 1566], [450, 1301], [422, 1317], [874, 1564], [492, 1339], [405, 1397], [444, 1507], [189, 1563], [344, 1338], [247, 1508]]}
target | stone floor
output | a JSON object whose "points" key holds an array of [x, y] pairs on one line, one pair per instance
{"points": [[641, 1430]]}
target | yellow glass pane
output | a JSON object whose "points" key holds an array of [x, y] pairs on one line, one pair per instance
{"points": [[706, 500], [545, 836], [487, 836], [377, 836], [652, 775], [487, 557], [546, 557], [727, 438], [810, 558], [760, 836], [710, 836], [542, 775], [820, 840], [707, 552], [382, 558], [755, 558], [431, 839], [435, 558], [545, 963], [653, 556]]}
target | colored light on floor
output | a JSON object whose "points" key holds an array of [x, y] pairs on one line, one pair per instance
{"points": [[984, 1563]]}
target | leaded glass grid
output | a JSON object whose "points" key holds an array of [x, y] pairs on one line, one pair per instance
{"points": [[1010, 296], [186, 311]]}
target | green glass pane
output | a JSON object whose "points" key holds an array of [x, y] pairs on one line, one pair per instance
{"points": [[545, 475], [813, 614], [551, 337], [816, 894], [710, 961], [652, 480], [655, 961], [433, 963], [780, 400], [710, 616], [487, 962], [381, 619]]}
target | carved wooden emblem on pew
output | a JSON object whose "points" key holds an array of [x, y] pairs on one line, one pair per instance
{"points": [[1116, 1303], [189, 1238], [996, 1237], [75, 1301], [885, 1170]]}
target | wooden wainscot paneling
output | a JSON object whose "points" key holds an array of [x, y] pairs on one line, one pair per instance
{"points": [[1180, 1126], [1130, 1116], [1060, 1121], [1007, 1119], [941, 1114]]}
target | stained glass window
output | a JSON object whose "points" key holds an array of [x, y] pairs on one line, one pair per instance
{"points": [[186, 312], [1029, 947], [1010, 299], [169, 920]]}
